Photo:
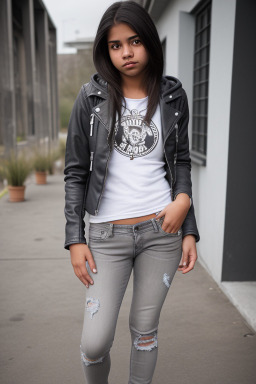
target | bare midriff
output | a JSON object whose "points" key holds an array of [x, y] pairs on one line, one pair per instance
{"points": [[133, 220]]}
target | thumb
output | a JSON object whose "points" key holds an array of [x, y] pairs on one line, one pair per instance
{"points": [[91, 261], [160, 214]]}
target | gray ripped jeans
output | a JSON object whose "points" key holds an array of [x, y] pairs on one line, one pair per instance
{"points": [[154, 256]]}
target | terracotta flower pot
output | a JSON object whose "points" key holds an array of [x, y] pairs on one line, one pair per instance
{"points": [[16, 194], [41, 177]]}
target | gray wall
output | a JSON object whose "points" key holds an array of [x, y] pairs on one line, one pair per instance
{"points": [[28, 76], [239, 256], [209, 183]]}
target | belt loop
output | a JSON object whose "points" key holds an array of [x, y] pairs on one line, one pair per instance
{"points": [[153, 221], [110, 230]]}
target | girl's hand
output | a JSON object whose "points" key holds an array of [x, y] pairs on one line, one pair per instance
{"points": [[175, 213], [80, 253], [189, 254]]}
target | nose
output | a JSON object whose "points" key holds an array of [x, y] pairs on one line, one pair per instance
{"points": [[127, 51]]}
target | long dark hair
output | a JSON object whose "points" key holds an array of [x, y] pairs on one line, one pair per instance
{"points": [[139, 20]]}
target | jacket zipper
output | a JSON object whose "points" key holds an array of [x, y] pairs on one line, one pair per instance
{"points": [[91, 158], [177, 138], [176, 126], [91, 124]]}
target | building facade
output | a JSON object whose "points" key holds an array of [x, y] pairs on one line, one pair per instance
{"points": [[208, 45], [28, 72], [81, 66]]}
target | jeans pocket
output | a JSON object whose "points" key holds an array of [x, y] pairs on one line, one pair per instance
{"points": [[98, 233], [160, 222]]}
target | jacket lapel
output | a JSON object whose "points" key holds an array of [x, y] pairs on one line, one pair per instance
{"points": [[169, 117], [102, 112]]}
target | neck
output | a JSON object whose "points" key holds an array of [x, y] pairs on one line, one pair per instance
{"points": [[133, 88]]}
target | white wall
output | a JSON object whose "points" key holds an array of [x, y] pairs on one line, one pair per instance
{"points": [[168, 26], [209, 183]]}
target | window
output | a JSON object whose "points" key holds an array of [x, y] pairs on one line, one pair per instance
{"points": [[201, 81]]}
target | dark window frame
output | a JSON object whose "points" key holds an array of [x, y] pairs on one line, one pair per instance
{"points": [[164, 54], [202, 14]]}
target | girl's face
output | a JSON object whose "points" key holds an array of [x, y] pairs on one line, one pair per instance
{"points": [[126, 51]]}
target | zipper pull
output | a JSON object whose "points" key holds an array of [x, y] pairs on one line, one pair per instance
{"points": [[176, 127], [91, 123], [91, 158]]}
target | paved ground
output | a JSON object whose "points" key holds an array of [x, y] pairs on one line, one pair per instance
{"points": [[202, 337]]}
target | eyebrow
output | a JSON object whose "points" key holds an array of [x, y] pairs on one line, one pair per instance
{"points": [[118, 41]]}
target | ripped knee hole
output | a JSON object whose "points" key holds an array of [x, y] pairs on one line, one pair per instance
{"points": [[146, 342], [87, 361]]}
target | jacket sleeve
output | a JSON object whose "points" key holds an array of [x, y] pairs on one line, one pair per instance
{"points": [[77, 163], [183, 182]]}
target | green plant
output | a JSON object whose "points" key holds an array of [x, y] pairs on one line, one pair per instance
{"points": [[16, 169], [1, 171], [65, 111], [41, 162], [20, 138], [62, 148], [52, 157]]}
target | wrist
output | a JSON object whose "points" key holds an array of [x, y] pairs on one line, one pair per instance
{"points": [[75, 245], [184, 199], [190, 237]]}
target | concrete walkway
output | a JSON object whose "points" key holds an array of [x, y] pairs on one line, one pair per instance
{"points": [[202, 337]]}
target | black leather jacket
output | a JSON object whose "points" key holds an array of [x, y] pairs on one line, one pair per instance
{"points": [[89, 149]]}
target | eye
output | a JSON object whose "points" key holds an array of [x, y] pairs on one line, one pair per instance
{"points": [[115, 46], [136, 42]]}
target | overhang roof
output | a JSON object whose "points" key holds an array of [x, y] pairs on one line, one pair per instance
{"points": [[154, 7], [80, 43]]}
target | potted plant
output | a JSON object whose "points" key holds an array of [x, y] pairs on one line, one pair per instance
{"points": [[16, 169], [53, 156], [62, 152], [41, 164]]}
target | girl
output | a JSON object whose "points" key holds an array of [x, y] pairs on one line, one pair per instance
{"points": [[128, 166]]}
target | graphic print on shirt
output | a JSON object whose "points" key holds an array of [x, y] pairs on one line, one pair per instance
{"points": [[134, 137]]}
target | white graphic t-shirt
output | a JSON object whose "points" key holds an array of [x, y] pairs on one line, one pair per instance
{"points": [[135, 184]]}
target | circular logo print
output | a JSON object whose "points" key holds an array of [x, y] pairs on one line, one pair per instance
{"points": [[134, 137]]}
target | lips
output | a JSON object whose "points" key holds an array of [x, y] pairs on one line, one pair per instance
{"points": [[129, 63]]}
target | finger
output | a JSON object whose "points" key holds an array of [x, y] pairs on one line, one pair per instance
{"points": [[185, 258], [83, 275], [91, 262], [87, 276], [167, 227], [173, 229], [82, 279], [184, 261], [181, 267], [190, 267], [160, 214], [85, 282]]}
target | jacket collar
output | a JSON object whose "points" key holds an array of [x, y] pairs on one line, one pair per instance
{"points": [[171, 89], [99, 86]]}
